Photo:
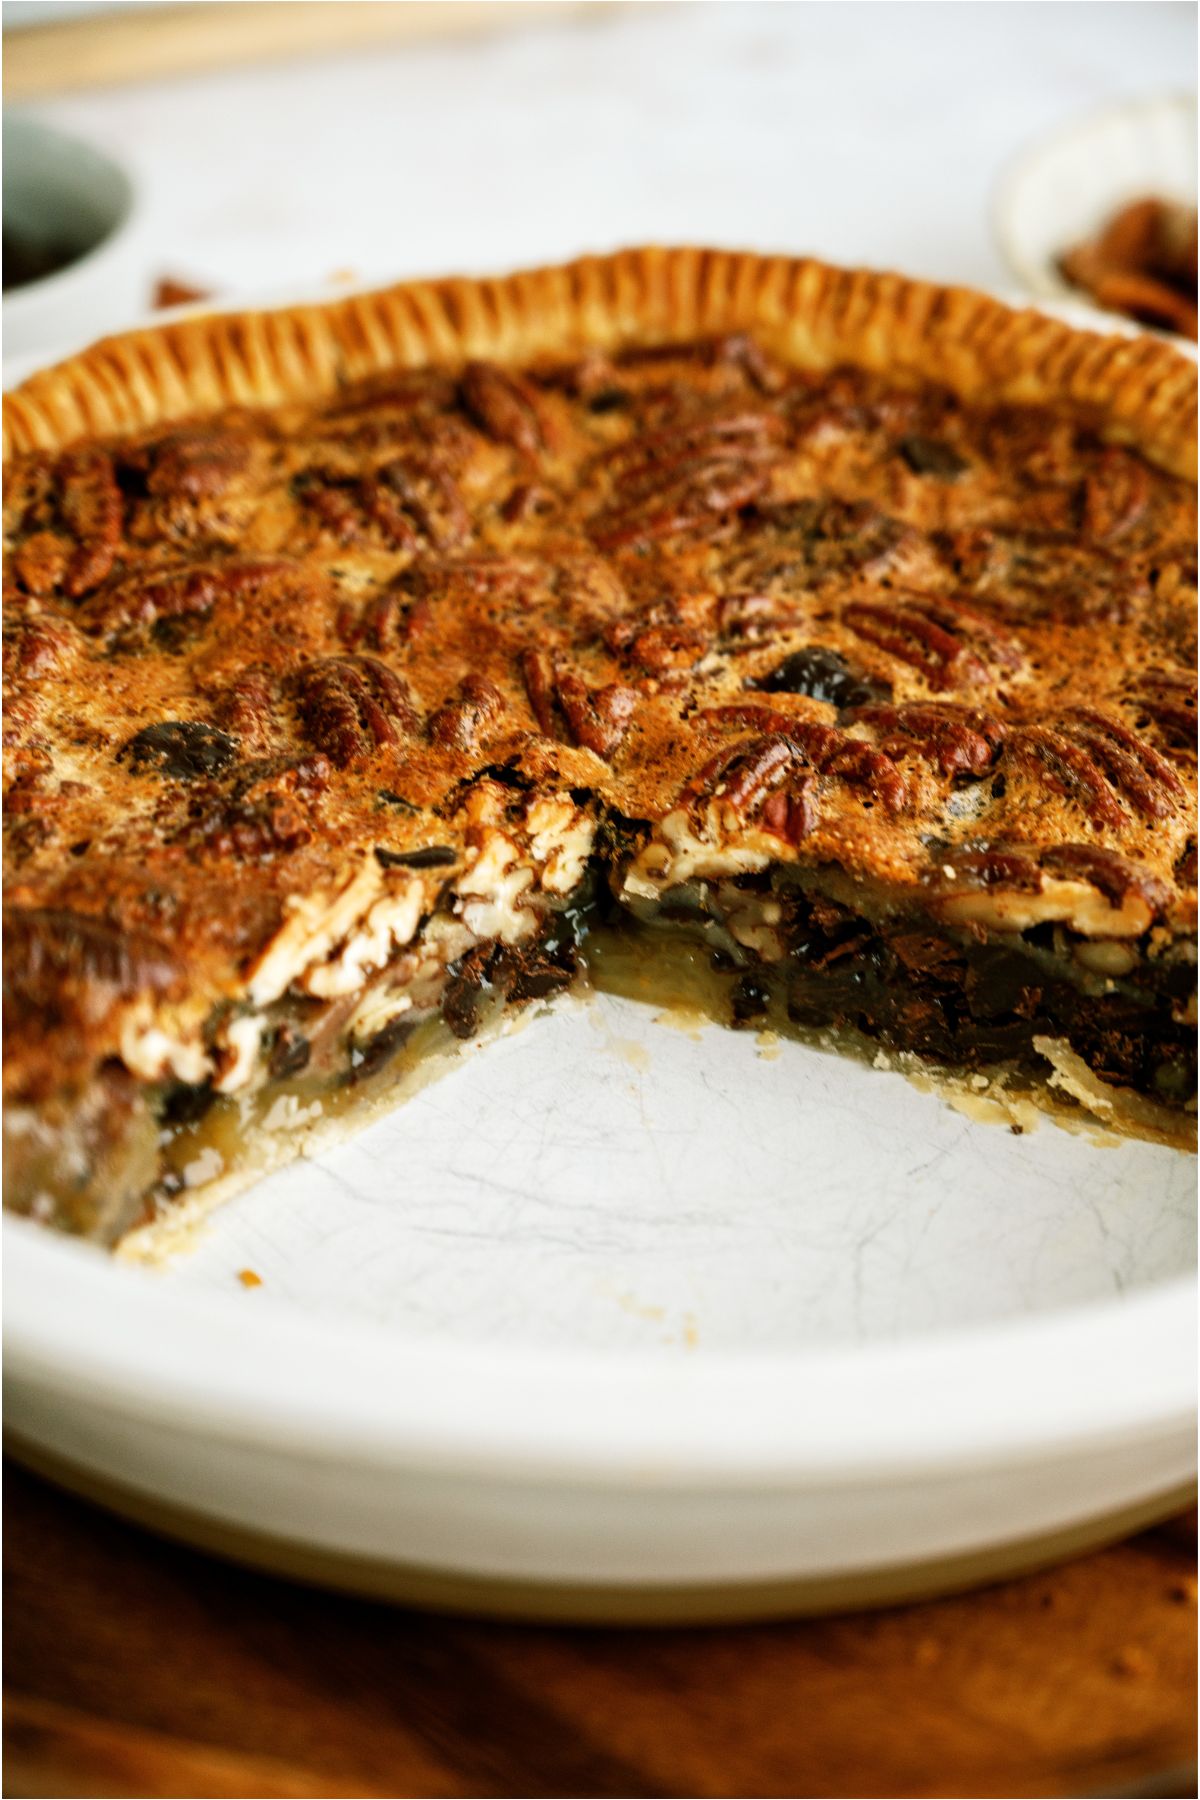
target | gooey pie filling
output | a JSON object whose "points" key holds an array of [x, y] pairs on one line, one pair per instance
{"points": [[334, 732]]}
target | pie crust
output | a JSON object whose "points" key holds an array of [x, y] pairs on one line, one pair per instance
{"points": [[416, 644], [806, 312]]}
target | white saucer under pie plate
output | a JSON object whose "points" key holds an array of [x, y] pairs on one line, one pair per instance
{"points": [[631, 1317]]}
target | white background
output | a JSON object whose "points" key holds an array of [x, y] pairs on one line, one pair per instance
{"points": [[864, 133]]}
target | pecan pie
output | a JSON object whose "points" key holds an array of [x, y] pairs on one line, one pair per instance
{"points": [[366, 662]]}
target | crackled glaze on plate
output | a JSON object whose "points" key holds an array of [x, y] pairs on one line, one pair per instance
{"points": [[622, 1307], [605, 1177]]}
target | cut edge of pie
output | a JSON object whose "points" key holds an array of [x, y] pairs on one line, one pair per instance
{"points": [[1135, 391]]}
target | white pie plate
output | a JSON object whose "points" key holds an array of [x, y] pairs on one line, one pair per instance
{"points": [[624, 1320]]}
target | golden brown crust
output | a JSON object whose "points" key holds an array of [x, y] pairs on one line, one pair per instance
{"points": [[812, 315], [281, 611]]}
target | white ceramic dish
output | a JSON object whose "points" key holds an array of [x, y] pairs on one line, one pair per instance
{"points": [[59, 189], [621, 1320], [1066, 187]]}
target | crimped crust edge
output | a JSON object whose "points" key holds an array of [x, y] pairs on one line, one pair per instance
{"points": [[1140, 389]]}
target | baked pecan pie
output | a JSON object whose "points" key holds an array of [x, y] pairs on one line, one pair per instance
{"points": [[365, 662]]}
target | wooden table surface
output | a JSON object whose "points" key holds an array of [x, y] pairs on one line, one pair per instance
{"points": [[134, 1667]]}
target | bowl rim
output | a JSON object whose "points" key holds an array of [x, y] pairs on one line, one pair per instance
{"points": [[249, 1369], [1038, 277], [31, 296]]}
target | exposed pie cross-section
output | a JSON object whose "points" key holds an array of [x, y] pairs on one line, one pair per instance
{"points": [[336, 724]]}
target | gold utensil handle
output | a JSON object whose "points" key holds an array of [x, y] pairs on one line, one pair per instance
{"points": [[150, 42]]}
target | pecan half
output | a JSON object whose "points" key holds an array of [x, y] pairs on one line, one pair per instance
{"points": [[529, 500], [798, 547], [741, 773], [792, 812], [1010, 870], [412, 496], [734, 350], [1114, 876], [73, 523], [694, 504], [190, 590], [662, 649], [92, 513], [58, 962], [457, 724], [652, 460], [760, 369], [752, 616], [406, 393], [505, 405], [36, 644], [828, 750], [537, 672], [335, 501], [383, 503], [958, 740], [949, 644], [248, 832], [1068, 768], [1114, 496], [1168, 697], [1144, 779], [267, 811], [427, 491], [597, 718], [192, 464], [686, 478], [351, 706], [1052, 575], [249, 709]]}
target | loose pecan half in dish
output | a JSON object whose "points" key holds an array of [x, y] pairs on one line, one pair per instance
{"points": [[1143, 264]]}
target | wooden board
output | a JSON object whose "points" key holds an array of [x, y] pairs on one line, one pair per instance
{"points": [[149, 43], [135, 1667]]}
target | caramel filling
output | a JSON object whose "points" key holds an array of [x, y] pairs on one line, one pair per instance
{"points": [[771, 950]]}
